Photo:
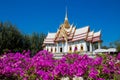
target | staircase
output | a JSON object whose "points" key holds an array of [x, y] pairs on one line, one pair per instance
{"points": [[58, 55]]}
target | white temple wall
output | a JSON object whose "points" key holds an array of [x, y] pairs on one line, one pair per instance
{"points": [[53, 49], [72, 44], [85, 46], [78, 44], [49, 47]]}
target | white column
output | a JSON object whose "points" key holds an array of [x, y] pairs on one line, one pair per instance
{"points": [[66, 47], [46, 48], [93, 47], [85, 46], [62, 47], [57, 48], [99, 45], [90, 47]]}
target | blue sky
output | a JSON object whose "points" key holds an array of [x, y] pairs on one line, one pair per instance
{"points": [[46, 15]]}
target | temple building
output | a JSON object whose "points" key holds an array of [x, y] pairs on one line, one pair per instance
{"points": [[69, 39]]}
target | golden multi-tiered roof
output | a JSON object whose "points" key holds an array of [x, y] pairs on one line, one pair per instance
{"points": [[69, 33], [64, 30]]}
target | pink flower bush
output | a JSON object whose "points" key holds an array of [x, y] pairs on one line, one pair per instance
{"points": [[43, 66]]}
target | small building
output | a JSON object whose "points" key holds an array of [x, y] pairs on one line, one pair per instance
{"points": [[69, 39], [109, 50]]}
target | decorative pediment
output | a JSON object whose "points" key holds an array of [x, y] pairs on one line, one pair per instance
{"points": [[61, 34], [65, 34]]}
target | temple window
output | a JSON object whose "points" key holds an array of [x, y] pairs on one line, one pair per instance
{"points": [[70, 48], [81, 47], [75, 49], [51, 49], [88, 48], [55, 50]]}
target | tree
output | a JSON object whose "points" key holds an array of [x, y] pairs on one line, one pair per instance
{"points": [[104, 47], [1, 27], [26, 42], [12, 39], [116, 44], [36, 42]]}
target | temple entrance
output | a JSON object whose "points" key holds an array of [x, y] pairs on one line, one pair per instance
{"points": [[70, 49], [88, 48], [61, 49]]}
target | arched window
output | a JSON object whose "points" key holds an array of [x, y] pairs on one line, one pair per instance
{"points": [[51, 49], [70, 48], [81, 48], [55, 49], [75, 49]]}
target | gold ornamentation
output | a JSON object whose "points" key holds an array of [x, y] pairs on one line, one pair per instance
{"points": [[66, 24]]}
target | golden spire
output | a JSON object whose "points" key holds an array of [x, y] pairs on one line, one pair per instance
{"points": [[66, 22], [66, 18]]}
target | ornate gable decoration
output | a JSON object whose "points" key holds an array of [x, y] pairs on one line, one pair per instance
{"points": [[64, 31]]}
